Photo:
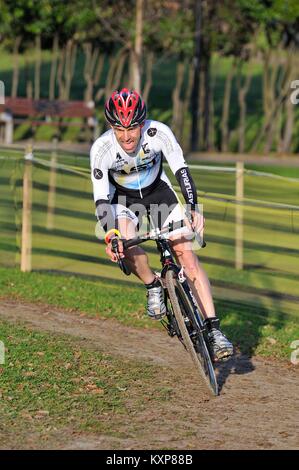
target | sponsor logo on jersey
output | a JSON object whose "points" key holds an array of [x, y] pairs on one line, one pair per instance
{"points": [[187, 185], [97, 173], [152, 131], [119, 162], [145, 150]]}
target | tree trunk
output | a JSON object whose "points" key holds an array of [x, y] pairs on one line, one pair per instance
{"points": [[212, 112], [136, 54], [201, 108], [116, 65], [289, 107], [289, 127], [266, 80], [37, 67], [70, 62], [207, 92], [100, 92], [119, 70], [196, 80], [55, 50], [87, 72], [271, 114], [148, 74], [15, 75], [111, 71], [28, 81], [242, 93], [225, 109], [176, 98], [91, 73], [272, 96], [99, 69], [60, 79], [186, 104]]}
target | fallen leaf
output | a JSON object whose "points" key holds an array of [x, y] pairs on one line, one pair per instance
{"points": [[98, 391], [94, 389], [42, 414], [29, 374], [26, 415], [76, 380], [272, 340]]}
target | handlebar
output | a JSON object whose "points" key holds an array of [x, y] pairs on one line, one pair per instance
{"points": [[152, 235], [156, 233]]}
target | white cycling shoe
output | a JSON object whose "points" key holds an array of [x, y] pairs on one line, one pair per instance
{"points": [[156, 308], [221, 347]]}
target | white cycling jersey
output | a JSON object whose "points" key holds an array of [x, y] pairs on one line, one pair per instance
{"points": [[136, 173]]}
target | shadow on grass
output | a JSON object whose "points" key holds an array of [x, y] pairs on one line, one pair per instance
{"points": [[243, 326], [93, 277]]}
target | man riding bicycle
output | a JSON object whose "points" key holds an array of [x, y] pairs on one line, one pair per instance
{"points": [[129, 182]]}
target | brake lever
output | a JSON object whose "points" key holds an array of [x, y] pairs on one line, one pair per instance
{"points": [[114, 244], [121, 263], [200, 240]]}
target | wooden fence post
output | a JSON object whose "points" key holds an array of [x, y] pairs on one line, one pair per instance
{"points": [[239, 215], [26, 244], [52, 187]]}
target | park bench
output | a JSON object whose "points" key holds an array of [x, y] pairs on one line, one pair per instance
{"points": [[40, 112]]}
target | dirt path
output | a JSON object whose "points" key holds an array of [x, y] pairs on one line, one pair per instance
{"points": [[257, 407]]}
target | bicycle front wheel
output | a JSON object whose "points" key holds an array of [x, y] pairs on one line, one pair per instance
{"points": [[192, 338]]}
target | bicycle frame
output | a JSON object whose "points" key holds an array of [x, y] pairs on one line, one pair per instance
{"points": [[167, 261]]}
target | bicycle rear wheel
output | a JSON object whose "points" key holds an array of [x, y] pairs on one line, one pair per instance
{"points": [[191, 336]]}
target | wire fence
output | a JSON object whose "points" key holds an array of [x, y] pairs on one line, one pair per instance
{"points": [[62, 230]]}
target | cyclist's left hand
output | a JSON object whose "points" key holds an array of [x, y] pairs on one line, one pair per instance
{"points": [[198, 222]]}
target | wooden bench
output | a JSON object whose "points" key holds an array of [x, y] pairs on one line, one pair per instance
{"points": [[48, 112]]}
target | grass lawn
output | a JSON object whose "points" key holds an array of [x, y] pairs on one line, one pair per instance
{"points": [[50, 383]]}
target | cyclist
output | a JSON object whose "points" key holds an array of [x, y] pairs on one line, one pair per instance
{"points": [[129, 181]]}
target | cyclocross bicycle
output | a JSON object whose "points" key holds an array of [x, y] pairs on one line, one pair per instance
{"points": [[184, 318]]}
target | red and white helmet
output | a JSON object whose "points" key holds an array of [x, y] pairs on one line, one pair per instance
{"points": [[125, 108]]}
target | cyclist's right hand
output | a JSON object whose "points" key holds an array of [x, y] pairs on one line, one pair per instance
{"points": [[120, 250]]}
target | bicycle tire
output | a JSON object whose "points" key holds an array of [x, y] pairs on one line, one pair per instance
{"points": [[200, 355]]}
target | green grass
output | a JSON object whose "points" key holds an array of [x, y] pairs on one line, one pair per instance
{"points": [[257, 329], [50, 382], [99, 299]]}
